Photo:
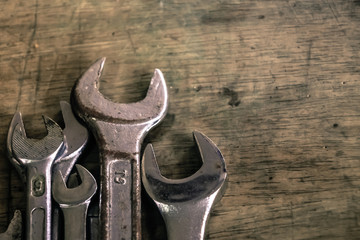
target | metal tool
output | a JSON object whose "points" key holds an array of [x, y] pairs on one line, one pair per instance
{"points": [[119, 130], [76, 137], [14, 230], [36, 158], [16, 120], [74, 202], [185, 204]]}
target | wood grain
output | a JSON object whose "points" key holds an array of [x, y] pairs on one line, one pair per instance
{"points": [[275, 84]]}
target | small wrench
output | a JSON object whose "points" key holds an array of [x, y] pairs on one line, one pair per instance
{"points": [[36, 158], [119, 130], [74, 202], [76, 136], [185, 204]]}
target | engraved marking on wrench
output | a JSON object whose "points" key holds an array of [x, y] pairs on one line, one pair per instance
{"points": [[121, 192]]}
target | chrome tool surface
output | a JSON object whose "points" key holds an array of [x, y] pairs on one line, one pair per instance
{"points": [[34, 158], [185, 204], [74, 202]]}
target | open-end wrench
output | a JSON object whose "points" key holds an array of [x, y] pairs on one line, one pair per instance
{"points": [[76, 136], [119, 130], [36, 158], [185, 204], [74, 202]]}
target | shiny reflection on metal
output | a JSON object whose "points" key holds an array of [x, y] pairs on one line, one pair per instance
{"points": [[16, 120], [74, 202], [185, 204], [35, 157], [119, 130], [76, 136]]}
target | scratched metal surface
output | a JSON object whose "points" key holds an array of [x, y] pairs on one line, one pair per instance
{"points": [[275, 84]]}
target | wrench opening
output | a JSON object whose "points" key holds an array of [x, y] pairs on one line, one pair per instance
{"points": [[91, 104]]}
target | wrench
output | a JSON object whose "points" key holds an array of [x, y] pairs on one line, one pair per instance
{"points": [[74, 202], [76, 136], [36, 158], [119, 130], [185, 204]]}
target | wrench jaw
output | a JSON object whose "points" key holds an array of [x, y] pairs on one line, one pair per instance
{"points": [[92, 106], [110, 121], [76, 139], [73, 196], [27, 150], [16, 120], [76, 134], [74, 202], [185, 204]]}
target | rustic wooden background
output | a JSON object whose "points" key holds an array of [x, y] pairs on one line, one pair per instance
{"points": [[275, 84]]}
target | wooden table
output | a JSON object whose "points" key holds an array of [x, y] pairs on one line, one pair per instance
{"points": [[275, 84]]}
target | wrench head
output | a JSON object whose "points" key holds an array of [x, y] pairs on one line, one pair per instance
{"points": [[91, 105], [206, 181], [73, 196], [26, 150], [76, 137], [76, 134]]}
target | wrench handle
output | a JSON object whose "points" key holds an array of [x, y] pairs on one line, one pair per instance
{"points": [[38, 210], [120, 198], [75, 221]]}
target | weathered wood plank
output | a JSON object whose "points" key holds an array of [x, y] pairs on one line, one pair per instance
{"points": [[275, 84]]}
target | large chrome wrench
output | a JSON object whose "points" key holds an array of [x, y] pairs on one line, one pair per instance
{"points": [[36, 158], [119, 130], [185, 204]]}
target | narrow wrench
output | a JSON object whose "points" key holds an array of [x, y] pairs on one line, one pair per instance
{"points": [[74, 202], [119, 130], [185, 204], [76, 136], [36, 158]]}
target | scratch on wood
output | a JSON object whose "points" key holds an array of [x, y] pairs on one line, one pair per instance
{"points": [[131, 42], [38, 79], [308, 61], [28, 51], [332, 11], [293, 10]]}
